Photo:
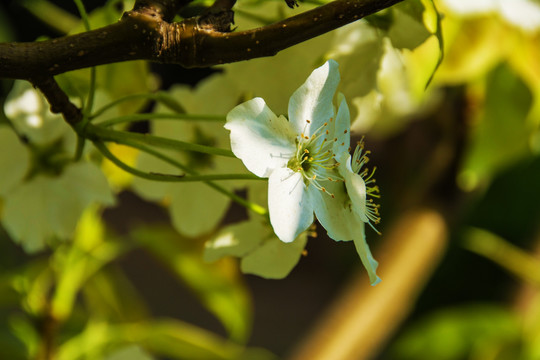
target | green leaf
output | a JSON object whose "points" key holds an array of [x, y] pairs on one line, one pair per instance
{"points": [[109, 294], [22, 327], [220, 291], [48, 207], [504, 253], [274, 259], [168, 338], [500, 137], [29, 113], [14, 166], [80, 260], [189, 202], [408, 15], [131, 352], [261, 252], [389, 86], [484, 330], [234, 240]]}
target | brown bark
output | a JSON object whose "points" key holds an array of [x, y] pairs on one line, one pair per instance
{"points": [[144, 33]]}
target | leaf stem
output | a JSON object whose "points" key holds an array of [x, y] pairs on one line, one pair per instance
{"points": [[167, 177], [249, 205], [160, 96], [81, 141], [121, 137], [158, 116], [122, 165]]}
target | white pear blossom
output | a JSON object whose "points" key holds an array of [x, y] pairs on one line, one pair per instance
{"points": [[307, 162]]}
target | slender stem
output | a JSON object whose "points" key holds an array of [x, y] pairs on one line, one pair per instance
{"points": [[121, 137], [122, 165], [161, 96], [249, 205], [84, 14], [257, 209], [157, 116], [81, 141], [168, 177]]}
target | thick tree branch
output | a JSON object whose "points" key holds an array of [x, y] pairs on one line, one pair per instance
{"points": [[144, 33]]}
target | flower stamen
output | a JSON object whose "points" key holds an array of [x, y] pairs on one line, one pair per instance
{"points": [[359, 159], [314, 157]]}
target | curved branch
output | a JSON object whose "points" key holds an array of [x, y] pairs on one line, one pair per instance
{"points": [[145, 34], [212, 48], [57, 98]]}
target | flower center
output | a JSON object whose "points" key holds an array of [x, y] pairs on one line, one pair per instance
{"points": [[359, 159], [314, 158]]}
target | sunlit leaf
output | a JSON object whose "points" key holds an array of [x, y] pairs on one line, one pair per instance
{"points": [[524, 14], [507, 255], [473, 48], [405, 47], [48, 207], [195, 208], [170, 338], [15, 166], [26, 333], [234, 240], [88, 253], [29, 113], [455, 334], [131, 352], [408, 15], [33, 283], [118, 178], [274, 259], [502, 132], [260, 251], [109, 294]]}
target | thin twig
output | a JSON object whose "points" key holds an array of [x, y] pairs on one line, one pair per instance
{"points": [[57, 98]]}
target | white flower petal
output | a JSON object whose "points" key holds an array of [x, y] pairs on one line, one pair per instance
{"points": [[365, 254], [332, 212], [356, 187], [313, 100], [466, 7], [522, 13], [259, 138], [341, 223], [290, 209], [342, 128]]}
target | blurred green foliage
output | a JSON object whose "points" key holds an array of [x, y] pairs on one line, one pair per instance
{"points": [[65, 292]]}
